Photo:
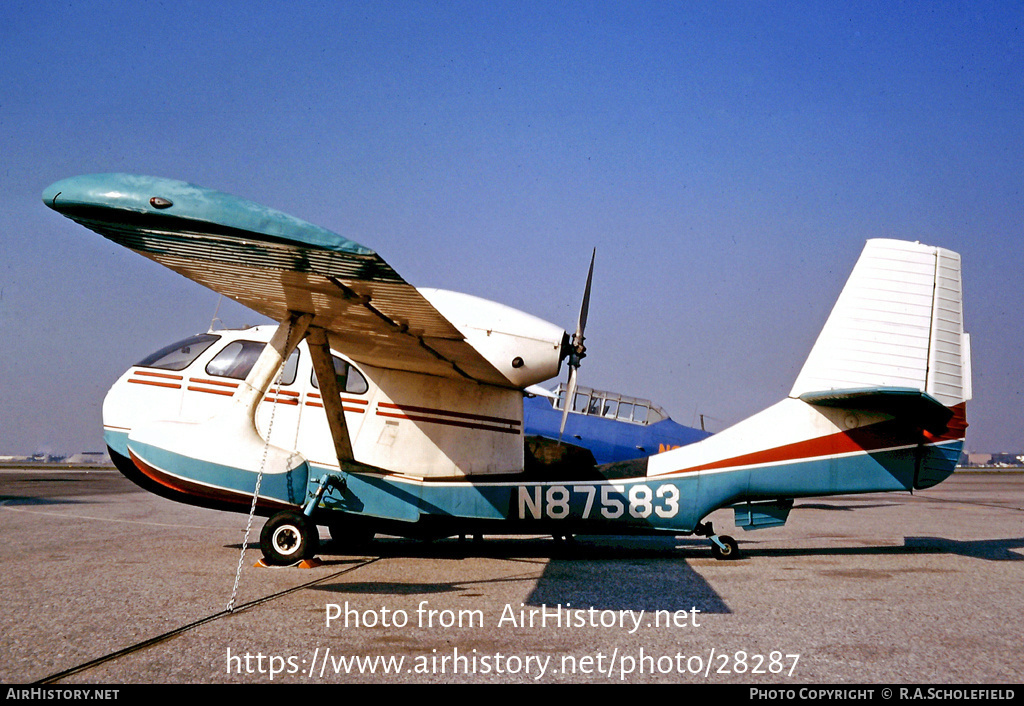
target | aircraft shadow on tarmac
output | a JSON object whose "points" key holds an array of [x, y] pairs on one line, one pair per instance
{"points": [[626, 584], [20, 501], [841, 508], [987, 549], [644, 573]]}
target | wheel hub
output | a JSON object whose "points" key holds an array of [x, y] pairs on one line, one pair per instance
{"points": [[286, 540]]}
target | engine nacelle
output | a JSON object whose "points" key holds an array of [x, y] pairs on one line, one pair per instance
{"points": [[525, 349]]}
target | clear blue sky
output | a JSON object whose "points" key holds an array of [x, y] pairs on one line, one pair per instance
{"points": [[727, 159]]}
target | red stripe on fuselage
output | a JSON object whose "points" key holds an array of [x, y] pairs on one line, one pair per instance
{"points": [[345, 400], [169, 376], [198, 490], [447, 422], [357, 410], [212, 392], [204, 381], [880, 436], [458, 415], [154, 383]]}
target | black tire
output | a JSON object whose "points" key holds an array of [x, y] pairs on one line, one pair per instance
{"points": [[731, 551], [288, 538]]}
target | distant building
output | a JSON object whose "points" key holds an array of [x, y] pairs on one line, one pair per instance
{"points": [[89, 458], [1000, 460]]}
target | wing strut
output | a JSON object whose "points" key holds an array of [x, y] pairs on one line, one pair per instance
{"points": [[287, 337], [330, 394]]}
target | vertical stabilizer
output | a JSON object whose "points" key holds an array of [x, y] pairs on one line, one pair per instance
{"points": [[898, 323]]}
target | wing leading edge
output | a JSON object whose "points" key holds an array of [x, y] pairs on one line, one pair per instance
{"points": [[276, 264]]}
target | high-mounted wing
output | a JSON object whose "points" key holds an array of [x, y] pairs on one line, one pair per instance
{"points": [[276, 264]]}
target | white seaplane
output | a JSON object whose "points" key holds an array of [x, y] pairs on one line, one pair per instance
{"points": [[376, 407]]}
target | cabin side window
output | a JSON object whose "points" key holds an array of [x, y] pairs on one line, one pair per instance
{"points": [[349, 379], [180, 355], [238, 357]]}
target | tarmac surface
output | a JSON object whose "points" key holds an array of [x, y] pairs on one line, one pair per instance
{"points": [[103, 583]]}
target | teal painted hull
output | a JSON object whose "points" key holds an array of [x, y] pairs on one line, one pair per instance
{"points": [[670, 503]]}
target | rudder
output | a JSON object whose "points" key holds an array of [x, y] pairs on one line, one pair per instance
{"points": [[898, 323]]}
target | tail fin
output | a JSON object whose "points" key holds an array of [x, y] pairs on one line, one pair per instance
{"points": [[895, 343], [878, 406], [897, 324]]}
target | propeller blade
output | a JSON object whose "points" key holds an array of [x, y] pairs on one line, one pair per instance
{"points": [[576, 350], [585, 309], [567, 401]]}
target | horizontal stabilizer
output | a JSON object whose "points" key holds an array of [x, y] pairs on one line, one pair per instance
{"points": [[900, 402], [753, 516]]}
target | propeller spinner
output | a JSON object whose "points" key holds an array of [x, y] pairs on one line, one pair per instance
{"points": [[575, 350]]}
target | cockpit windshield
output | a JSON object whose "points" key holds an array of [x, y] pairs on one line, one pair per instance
{"points": [[180, 355]]}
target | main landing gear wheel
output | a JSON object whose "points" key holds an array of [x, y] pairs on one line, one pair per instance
{"points": [[288, 538], [729, 552]]}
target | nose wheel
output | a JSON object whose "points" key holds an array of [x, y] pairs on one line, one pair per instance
{"points": [[288, 538]]}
